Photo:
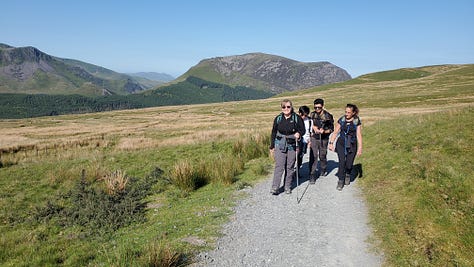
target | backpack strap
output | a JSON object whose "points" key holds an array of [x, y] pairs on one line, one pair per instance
{"points": [[310, 127], [355, 121], [294, 117], [279, 117]]}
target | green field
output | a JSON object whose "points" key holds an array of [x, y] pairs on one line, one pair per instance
{"points": [[151, 187]]}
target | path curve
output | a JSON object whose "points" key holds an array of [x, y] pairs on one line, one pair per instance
{"points": [[327, 227]]}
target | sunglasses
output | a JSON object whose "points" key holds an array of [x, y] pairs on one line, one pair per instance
{"points": [[285, 106], [318, 107]]}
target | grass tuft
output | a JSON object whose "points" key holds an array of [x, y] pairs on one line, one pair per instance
{"points": [[115, 182], [162, 255], [186, 176]]}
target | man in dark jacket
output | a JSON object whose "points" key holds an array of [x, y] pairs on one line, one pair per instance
{"points": [[323, 126]]}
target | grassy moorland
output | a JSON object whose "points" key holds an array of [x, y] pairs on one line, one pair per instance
{"points": [[152, 186]]}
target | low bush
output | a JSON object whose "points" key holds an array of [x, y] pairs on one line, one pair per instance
{"points": [[98, 208]]}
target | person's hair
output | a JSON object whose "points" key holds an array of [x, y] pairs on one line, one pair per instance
{"points": [[354, 108], [318, 101], [304, 110]]}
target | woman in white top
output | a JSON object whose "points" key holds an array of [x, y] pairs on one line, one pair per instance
{"points": [[303, 111]]}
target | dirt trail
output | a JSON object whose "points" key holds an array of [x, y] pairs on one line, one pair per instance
{"points": [[327, 228]]}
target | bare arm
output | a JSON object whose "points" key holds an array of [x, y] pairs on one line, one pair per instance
{"points": [[333, 137], [359, 140]]}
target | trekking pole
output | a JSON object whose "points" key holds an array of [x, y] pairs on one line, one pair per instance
{"points": [[297, 171]]}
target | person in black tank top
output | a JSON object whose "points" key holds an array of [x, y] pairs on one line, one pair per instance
{"points": [[348, 132]]}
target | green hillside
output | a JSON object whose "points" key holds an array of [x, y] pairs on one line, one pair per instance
{"points": [[190, 91], [152, 187]]}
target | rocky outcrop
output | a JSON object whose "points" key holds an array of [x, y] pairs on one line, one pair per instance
{"points": [[274, 73], [21, 63]]}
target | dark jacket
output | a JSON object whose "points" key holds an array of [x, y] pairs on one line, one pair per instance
{"points": [[287, 127], [325, 120]]}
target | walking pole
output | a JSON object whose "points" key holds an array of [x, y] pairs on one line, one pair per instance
{"points": [[297, 171]]}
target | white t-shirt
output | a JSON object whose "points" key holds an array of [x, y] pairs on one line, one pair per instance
{"points": [[307, 126]]}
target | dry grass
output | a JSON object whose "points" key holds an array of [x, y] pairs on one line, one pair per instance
{"points": [[115, 182], [190, 124], [128, 130], [97, 139]]}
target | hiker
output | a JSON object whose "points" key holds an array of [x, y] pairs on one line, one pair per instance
{"points": [[303, 111], [323, 126], [287, 129], [349, 143]]}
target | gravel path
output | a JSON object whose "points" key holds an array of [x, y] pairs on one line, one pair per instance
{"points": [[327, 227]]}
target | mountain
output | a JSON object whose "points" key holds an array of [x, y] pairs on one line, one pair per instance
{"points": [[153, 76], [31, 71], [266, 72], [190, 91], [33, 83]]}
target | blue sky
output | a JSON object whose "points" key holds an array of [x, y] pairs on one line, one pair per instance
{"points": [[172, 36]]}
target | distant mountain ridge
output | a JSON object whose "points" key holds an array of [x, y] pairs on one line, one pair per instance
{"points": [[29, 70], [266, 72], [33, 83], [154, 76]]}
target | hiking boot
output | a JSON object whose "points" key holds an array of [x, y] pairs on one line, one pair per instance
{"points": [[340, 185], [287, 191], [274, 191], [348, 179], [312, 178]]}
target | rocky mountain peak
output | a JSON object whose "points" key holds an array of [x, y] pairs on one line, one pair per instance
{"points": [[22, 62], [274, 73]]}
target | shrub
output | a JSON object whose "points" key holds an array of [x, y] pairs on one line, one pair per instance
{"points": [[99, 209]]}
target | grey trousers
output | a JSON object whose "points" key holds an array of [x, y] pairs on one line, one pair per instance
{"points": [[284, 161], [319, 148]]}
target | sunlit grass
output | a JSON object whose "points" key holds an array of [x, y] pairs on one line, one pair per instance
{"points": [[418, 179], [416, 162]]}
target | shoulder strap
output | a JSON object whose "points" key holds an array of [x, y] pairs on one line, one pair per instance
{"points": [[279, 117], [325, 115], [295, 120], [310, 125], [343, 119], [355, 121]]}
